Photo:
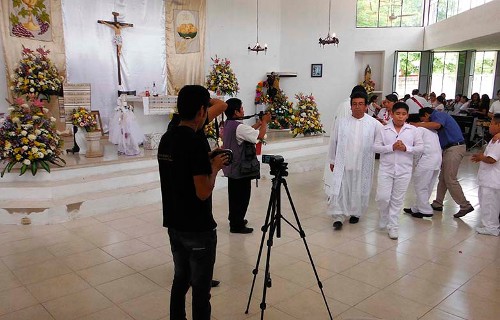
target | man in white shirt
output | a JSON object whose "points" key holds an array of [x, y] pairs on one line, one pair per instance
{"points": [[416, 102], [495, 106], [396, 142], [236, 137], [351, 160]]}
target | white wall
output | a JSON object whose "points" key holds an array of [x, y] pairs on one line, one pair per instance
{"points": [[302, 25], [231, 27]]}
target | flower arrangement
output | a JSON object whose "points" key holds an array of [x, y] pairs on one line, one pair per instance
{"points": [[211, 133], [28, 136], [369, 85], [35, 74], [281, 110], [222, 78], [305, 118], [259, 91], [83, 118]]}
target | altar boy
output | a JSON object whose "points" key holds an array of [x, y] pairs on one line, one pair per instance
{"points": [[488, 178], [396, 142]]}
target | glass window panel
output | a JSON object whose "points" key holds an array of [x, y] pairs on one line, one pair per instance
{"points": [[452, 8], [463, 5], [408, 66], [441, 10], [384, 14], [433, 11], [484, 72], [412, 13], [366, 13]]}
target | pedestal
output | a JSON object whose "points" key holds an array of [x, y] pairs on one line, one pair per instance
{"points": [[94, 148]]}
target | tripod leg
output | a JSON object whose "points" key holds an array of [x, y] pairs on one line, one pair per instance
{"points": [[303, 236], [271, 208]]}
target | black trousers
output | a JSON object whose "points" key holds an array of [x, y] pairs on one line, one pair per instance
{"points": [[194, 259], [239, 191]]}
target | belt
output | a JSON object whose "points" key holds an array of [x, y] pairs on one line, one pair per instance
{"points": [[449, 145]]}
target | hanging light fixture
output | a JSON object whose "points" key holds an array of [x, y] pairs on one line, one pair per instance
{"points": [[257, 47], [330, 38]]}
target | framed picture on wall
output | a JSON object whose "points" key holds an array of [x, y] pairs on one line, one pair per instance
{"points": [[97, 115], [316, 70]]}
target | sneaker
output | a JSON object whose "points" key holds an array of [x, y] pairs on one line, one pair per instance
{"points": [[463, 212], [421, 215], [243, 230], [488, 231], [353, 219], [393, 234], [337, 225], [436, 208], [407, 210]]}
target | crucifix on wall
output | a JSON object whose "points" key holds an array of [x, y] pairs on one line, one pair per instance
{"points": [[117, 40]]}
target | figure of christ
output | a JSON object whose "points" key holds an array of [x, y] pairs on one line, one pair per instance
{"points": [[117, 40]]}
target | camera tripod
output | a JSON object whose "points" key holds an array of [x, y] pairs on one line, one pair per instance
{"points": [[273, 225]]}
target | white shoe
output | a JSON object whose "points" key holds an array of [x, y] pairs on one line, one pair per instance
{"points": [[393, 234], [488, 231]]}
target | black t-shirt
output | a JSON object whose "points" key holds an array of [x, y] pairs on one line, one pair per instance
{"points": [[182, 155]]}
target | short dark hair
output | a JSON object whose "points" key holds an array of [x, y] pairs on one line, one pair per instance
{"points": [[423, 111], [496, 118], [358, 88], [373, 98], [392, 97], [359, 94], [233, 105], [400, 105], [415, 92], [191, 99]]}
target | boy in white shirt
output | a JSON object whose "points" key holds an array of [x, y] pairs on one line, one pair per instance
{"points": [[396, 142], [426, 172], [488, 178]]}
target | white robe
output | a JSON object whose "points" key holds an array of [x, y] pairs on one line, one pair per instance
{"points": [[351, 153], [130, 138]]}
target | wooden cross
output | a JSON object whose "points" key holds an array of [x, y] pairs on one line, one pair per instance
{"points": [[117, 26]]}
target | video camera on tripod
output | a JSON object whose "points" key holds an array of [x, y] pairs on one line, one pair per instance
{"points": [[277, 164]]}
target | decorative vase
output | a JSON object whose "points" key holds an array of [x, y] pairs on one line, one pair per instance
{"points": [[81, 140], [94, 148]]}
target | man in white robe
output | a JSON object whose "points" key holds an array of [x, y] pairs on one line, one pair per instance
{"points": [[351, 160], [343, 110]]}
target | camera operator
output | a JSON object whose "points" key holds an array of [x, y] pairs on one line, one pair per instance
{"points": [[187, 178], [241, 139]]}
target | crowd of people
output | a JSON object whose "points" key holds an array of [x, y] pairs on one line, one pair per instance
{"points": [[413, 137], [429, 148]]}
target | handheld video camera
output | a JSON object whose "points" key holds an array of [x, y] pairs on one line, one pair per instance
{"points": [[228, 152]]}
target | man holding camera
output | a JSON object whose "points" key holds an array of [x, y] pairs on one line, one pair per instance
{"points": [[187, 178], [241, 139]]}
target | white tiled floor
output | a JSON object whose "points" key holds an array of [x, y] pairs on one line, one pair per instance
{"points": [[118, 266]]}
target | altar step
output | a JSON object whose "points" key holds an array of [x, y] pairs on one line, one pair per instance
{"points": [[90, 189]]}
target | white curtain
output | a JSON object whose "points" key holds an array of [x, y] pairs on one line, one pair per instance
{"points": [[91, 53]]}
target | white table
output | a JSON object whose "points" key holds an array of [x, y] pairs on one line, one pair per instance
{"points": [[152, 113]]}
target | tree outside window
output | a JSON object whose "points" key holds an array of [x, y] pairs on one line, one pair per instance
{"points": [[389, 13], [408, 67]]}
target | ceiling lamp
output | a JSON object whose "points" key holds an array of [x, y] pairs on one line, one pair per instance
{"points": [[330, 38], [257, 47]]}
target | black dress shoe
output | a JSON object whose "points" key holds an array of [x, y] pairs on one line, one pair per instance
{"points": [[215, 283], [407, 210], [436, 208], [353, 219], [337, 225], [421, 215], [243, 230]]}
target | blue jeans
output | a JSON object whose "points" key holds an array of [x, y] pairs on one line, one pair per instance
{"points": [[194, 259]]}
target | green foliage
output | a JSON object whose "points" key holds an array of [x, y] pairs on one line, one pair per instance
{"points": [[409, 63], [373, 14], [16, 3], [14, 19], [44, 16], [23, 13]]}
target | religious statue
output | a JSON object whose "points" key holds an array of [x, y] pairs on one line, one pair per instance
{"points": [[117, 39], [368, 83]]}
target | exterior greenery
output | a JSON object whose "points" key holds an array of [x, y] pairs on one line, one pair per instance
{"points": [[389, 13]]}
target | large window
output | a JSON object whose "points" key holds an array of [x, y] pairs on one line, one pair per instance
{"points": [[444, 73], [407, 72], [484, 73], [389, 13], [443, 9]]}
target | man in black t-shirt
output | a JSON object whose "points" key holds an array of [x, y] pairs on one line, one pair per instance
{"points": [[187, 177]]}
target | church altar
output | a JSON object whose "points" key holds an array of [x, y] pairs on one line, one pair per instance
{"points": [[152, 113]]}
